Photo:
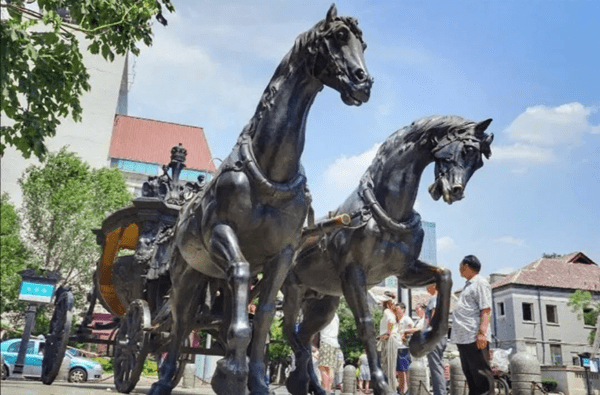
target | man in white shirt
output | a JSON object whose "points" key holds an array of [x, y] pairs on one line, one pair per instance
{"points": [[471, 326]]}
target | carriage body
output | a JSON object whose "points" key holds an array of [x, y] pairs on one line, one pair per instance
{"points": [[131, 281]]}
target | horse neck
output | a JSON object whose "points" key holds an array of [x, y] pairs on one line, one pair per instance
{"points": [[396, 183], [278, 140]]}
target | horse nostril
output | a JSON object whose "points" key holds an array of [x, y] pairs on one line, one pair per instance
{"points": [[360, 75], [457, 190]]}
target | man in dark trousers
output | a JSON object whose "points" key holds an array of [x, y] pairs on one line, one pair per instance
{"points": [[471, 326]]}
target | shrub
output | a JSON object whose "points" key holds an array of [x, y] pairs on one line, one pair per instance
{"points": [[107, 364], [150, 368]]}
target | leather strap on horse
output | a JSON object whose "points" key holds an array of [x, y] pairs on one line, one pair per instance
{"points": [[264, 185], [381, 217]]}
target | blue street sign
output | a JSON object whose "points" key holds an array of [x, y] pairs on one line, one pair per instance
{"points": [[39, 292]]}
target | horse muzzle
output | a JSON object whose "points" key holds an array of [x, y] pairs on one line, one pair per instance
{"points": [[450, 193], [358, 94]]}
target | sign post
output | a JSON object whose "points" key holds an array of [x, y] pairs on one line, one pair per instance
{"points": [[587, 362], [36, 290]]}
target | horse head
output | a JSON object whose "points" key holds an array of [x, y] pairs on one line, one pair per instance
{"points": [[337, 50], [458, 154]]}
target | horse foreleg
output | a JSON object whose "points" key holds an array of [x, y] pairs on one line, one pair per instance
{"points": [[420, 274], [355, 290], [275, 272], [231, 374], [292, 302]]}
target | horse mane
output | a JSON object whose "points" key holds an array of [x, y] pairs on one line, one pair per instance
{"points": [[427, 130], [304, 53]]}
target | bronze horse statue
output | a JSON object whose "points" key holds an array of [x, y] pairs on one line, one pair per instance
{"points": [[249, 218], [383, 239]]}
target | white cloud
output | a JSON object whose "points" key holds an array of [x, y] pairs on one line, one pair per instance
{"points": [[510, 240], [551, 126], [539, 132], [346, 171], [445, 243], [523, 152]]}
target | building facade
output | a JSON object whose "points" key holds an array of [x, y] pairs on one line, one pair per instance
{"points": [[531, 311], [90, 138], [141, 147]]}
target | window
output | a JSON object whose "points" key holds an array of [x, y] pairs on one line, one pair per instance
{"points": [[527, 311], [576, 360], [551, 315], [556, 353], [501, 308], [588, 316]]}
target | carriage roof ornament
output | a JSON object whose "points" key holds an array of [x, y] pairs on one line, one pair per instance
{"points": [[169, 188]]}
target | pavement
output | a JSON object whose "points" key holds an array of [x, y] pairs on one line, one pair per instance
{"points": [[104, 387]]}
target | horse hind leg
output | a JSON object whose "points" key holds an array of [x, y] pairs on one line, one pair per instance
{"points": [[275, 272], [317, 314], [355, 291], [231, 374], [185, 297], [298, 379]]}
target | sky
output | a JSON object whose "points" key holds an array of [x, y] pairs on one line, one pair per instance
{"points": [[533, 66]]}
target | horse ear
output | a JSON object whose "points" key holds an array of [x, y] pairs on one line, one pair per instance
{"points": [[482, 126], [331, 14], [485, 144]]}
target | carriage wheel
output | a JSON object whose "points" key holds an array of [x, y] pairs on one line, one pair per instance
{"points": [[181, 362], [57, 339], [131, 346]]}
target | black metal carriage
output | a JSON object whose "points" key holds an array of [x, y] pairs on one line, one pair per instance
{"points": [[131, 281]]}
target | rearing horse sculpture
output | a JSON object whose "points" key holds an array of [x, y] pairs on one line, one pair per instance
{"points": [[250, 217], [384, 239]]}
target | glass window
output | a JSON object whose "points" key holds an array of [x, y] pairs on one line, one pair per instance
{"points": [[527, 311], [14, 347], [501, 308], [30, 347], [551, 315], [556, 353]]}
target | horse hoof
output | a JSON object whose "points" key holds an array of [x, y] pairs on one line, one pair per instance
{"points": [[159, 388], [297, 383], [230, 378]]}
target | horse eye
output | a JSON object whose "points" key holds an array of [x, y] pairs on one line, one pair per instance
{"points": [[341, 35]]}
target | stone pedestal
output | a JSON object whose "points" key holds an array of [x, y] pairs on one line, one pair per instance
{"points": [[458, 381], [524, 372], [418, 383], [349, 380]]}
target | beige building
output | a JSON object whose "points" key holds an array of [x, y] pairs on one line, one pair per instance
{"points": [[531, 313]]}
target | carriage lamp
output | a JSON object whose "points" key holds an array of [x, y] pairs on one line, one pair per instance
{"points": [[36, 290]]}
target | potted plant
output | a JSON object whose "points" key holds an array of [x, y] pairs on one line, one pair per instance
{"points": [[549, 384]]}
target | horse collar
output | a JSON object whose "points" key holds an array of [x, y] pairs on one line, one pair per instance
{"points": [[381, 217], [265, 186]]}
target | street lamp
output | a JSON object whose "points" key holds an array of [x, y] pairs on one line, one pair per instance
{"points": [[36, 290]]}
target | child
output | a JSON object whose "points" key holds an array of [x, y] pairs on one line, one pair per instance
{"points": [[364, 377]]}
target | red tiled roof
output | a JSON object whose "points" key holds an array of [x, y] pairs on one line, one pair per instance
{"points": [[572, 271], [148, 140]]}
